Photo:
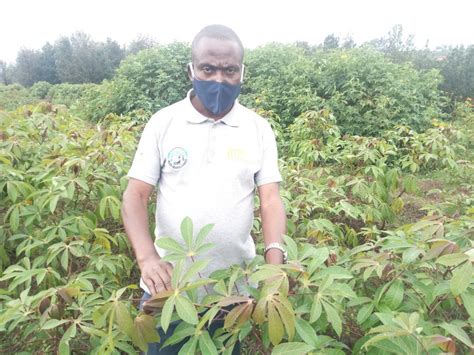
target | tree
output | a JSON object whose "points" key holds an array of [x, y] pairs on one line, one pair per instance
{"points": [[47, 65], [27, 67], [63, 60], [458, 71], [140, 43], [4, 77], [331, 42], [395, 46], [79, 59], [348, 43], [112, 54]]}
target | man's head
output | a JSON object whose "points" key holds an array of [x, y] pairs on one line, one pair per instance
{"points": [[216, 69], [217, 32]]}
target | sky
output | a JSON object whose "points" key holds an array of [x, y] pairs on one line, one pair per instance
{"points": [[30, 24]]}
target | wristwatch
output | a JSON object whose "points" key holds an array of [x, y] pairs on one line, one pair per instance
{"points": [[279, 247]]}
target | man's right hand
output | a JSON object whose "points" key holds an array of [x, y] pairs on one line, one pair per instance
{"points": [[156, 274]]}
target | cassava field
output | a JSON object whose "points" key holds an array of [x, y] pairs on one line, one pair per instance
{"points": [[378, 187]]}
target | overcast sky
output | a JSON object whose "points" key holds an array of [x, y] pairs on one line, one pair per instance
{"points": [[32, 23]]}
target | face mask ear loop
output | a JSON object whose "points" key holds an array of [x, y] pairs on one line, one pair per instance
{"points": [[190, 65], [242, 74]]}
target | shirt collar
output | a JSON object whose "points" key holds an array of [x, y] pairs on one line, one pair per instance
{"points": [[231, 119]]}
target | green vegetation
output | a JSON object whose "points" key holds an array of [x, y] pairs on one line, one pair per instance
{"points": [[378, 187]]}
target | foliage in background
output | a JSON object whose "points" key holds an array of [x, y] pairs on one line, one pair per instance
{"points": [[149, 80], [79, 59], [366, 92], [286, 80], [74, 59], [13, 96]]}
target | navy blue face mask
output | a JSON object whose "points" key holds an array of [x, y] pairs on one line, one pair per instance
{"points": [[215, 96]]}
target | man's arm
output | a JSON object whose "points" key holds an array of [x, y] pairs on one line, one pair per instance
{"points": [[273, 216], [155, 273]]}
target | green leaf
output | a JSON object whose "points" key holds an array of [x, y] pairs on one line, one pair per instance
{"points": [[316, 309], [203, 233], [287, 315], [65, 259], [306, 331], [167, 312], [292, 349], [186, 310], [187, 230], [178, 268], [394, 296], [195, 268], [452, 259], [333, 317], [461, 279], [323, 225], [198, 283], [82, 183], [204, 247], [102, 207], [336, 272], [275, 325], [457, 332], [12, 191], [53, 323], [63, 348], [53, 203], [168, 243], [264, 274], [190, 347], [291, 248], [93, 331], [468, 302], [364, 312], [343, 290], [206, 345], [123, 318], [179, 335], [317, 259], [259, 311], [14, 219], [411, 254]]}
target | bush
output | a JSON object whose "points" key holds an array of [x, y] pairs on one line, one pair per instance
{"points": [[40, 90], [13, 96], [365, 92], [68, 94]]}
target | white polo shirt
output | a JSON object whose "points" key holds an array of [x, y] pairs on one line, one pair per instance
{"points": [[207, 170]]}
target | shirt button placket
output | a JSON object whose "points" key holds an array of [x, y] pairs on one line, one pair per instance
{"points": [[212, 142]]}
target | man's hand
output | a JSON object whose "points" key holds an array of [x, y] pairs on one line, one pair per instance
{"points": [[156, 274]]}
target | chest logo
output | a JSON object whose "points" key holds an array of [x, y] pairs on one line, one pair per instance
{"points": [[177, 157]]}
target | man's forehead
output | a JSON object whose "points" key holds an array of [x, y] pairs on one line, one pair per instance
{"points": [[220, 49]]}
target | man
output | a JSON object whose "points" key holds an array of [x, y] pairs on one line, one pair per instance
{"points": [[206, 154]]}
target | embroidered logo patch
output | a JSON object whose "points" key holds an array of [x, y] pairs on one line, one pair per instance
{"points": [[177, 157]]}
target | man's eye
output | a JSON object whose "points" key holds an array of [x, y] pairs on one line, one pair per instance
{"points": [[231, 71], [207, 70]]}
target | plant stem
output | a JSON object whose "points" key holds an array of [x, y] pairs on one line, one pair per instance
{"points": [[200, 276]]}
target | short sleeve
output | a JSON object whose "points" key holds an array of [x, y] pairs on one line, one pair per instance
{"points": [[269, 171], [146, 165]]}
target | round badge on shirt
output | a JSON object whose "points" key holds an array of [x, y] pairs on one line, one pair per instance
{"points": [[177, 157]]}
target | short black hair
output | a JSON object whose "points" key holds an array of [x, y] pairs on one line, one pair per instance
{"points": [[220, 32]]}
